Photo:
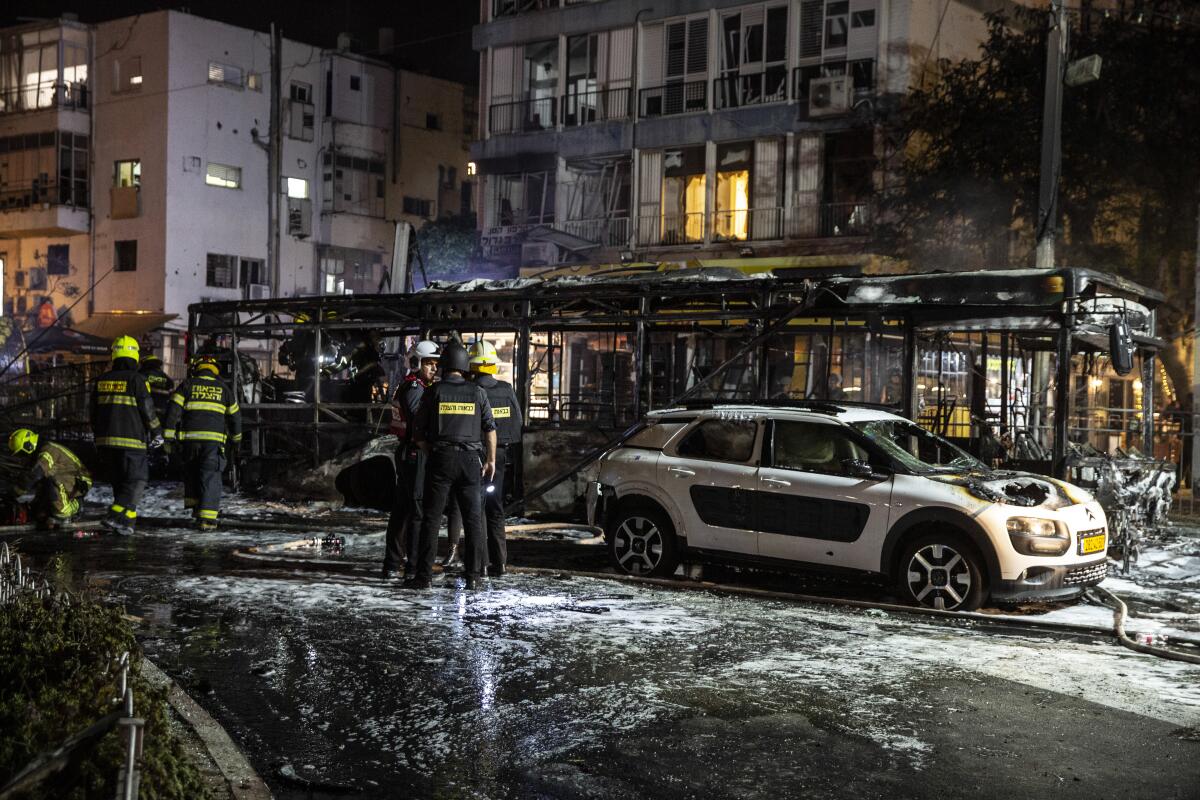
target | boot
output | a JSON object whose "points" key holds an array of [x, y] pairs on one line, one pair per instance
{"points": [[453, 562]]}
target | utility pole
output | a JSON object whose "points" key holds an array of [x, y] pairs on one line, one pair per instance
{"points": [[273, 162], [1056, 57]]}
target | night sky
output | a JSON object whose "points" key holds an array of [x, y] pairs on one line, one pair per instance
{"points": [[438, 31]]}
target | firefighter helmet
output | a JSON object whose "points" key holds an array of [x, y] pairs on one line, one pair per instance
{"points": [[420, 351], [301, 317], [454, 357], [125, 347], [152, 360], [22, 440], [209, 363], [484, 358]]}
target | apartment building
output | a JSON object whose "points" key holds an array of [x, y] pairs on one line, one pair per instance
{"points": [[675, 129], [134, 168]]}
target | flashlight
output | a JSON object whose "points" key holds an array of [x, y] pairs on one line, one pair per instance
{"points": [[490, 488]]}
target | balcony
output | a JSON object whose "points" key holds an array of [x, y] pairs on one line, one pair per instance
{"points": [[36, 210], [512, 8], [862, 71], [738, 91], [673, 98], [603, 105], [606, 232], [523, 116], [812, 221], [44, 96]]}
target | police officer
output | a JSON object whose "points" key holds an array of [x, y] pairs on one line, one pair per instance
{"points": [[58, 479], [454, 427], [204, 416], [506, 410], [123, 418], [160, 383], [405, 520]]}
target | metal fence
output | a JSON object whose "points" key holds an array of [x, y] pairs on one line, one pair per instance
{"points": [[682, 97], [602, 105], [523, 116], [17, 581]]}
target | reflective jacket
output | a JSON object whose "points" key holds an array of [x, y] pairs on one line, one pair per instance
{"points": [[202, 409], [506, 410], [122, 408], [160, 388], [454, 411], [57, 463]]}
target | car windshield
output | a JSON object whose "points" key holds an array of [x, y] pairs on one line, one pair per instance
{"points": [[916, 448]]}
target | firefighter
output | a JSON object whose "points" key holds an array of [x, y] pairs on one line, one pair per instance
{"points": [[405, 520], [455, 429], [160, 383], [204, 418], [123, 420], [506, 410], [59, 480]]}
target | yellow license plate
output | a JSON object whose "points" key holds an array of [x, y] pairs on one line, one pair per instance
{"points": [[1091, 544]]}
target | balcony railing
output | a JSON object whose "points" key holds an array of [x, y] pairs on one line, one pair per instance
{"points": [[735, 91], [862, 71], [673, 98], [812, 221], [601, 105], [606, 232], [672, 229], [27, 195], [511, 8], [36, 97], [522, 116]]}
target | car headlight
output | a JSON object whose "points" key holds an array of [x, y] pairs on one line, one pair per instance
{"points": [[1034, 536]]}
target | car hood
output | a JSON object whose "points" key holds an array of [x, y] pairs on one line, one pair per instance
{"points": [[1017, 488]]}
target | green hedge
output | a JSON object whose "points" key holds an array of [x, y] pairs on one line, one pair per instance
{"points": [[57, 677]]}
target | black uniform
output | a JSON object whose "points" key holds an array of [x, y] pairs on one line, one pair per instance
{"points": [[506, 410], [453, 417], [160, 385], [405, 520], [202, 410], [122, 418]]}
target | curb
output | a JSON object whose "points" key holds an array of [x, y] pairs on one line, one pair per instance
{"points": [[240, 777]]}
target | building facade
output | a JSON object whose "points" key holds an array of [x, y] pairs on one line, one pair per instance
{"points": [[651, 130], [134, 169]]}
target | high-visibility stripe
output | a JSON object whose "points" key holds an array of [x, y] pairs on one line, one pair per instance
{"points": [[234, 409], [116, 400], [48, 459], [120, 441], [177, 398], [202, 436], [116, 509], [168, 433], [202, 405], [204, 513], [237, 437], [130, 513]]}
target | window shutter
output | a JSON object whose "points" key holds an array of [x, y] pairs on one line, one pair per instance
{"points": [[697, 47], [620, 53], [812, 19], [652, 55], [502, 74], [862, 42], [676, 42], [649, 196], [767, 189], [806, 166], [751, 17]]}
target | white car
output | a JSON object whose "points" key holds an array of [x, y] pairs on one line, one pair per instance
{"points": [[826, 486]]}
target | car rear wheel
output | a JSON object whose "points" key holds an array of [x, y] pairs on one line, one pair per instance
{"points": [[641, 541], [942, 571]]}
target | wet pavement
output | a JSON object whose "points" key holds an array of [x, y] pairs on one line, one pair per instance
{"points": [[556, 687]]}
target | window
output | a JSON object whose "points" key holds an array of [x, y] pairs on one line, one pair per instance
{"points": [[813, 447], [471, 168], [836, 20], [414, 205], [127, 173], [863, 19], [521, 199], [252, 271], [433, 122], [125, 256], [735, 164], [225, 75], [297, 188], [355, 83], [300, 92], [753, 56], [72, 169], [58, 259], [222, 271], [127, 74], [223, 175], [346, 270], [683, 195], [254, 81], [353, 184], [720, 440]]}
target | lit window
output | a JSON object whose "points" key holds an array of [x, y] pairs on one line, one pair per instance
{"points": [[297, 188], [127, 173], [135, 80], [254, 81], [223, 175], [470, 167]]}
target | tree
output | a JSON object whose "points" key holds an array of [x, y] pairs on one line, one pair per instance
{"points": [[966, 190], [448, 246]]}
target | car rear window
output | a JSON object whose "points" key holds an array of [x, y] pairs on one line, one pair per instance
{"points": [[720, 439], [656, 434]]}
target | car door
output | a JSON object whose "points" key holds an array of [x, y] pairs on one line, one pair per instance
{"points": [[810, 506], [711, 474]]}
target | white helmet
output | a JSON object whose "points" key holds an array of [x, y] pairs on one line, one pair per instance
{"points": [[422, 350]]}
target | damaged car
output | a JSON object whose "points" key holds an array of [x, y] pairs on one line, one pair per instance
{"points": [[836, 487]]}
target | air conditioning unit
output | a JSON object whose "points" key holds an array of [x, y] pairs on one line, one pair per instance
{"points": [[830, 96], [535, 254], [258, 291]]}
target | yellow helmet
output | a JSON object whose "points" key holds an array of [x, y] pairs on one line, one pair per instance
{"points": [[125, 347], [301, 318], [208, 363], [483, 357], [330, 316], [22, 440]]}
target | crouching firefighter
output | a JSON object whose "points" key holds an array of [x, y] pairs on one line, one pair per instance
{"points": [[58, 479], [123, 420], [454, 427], [401, 542], [506, 410], [204, 418]]}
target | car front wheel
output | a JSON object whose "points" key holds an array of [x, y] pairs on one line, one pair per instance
{"points": [[642, 541], [942, 571]]}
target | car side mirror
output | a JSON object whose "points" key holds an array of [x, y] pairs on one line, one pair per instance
{"points": [[857, 469]]}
